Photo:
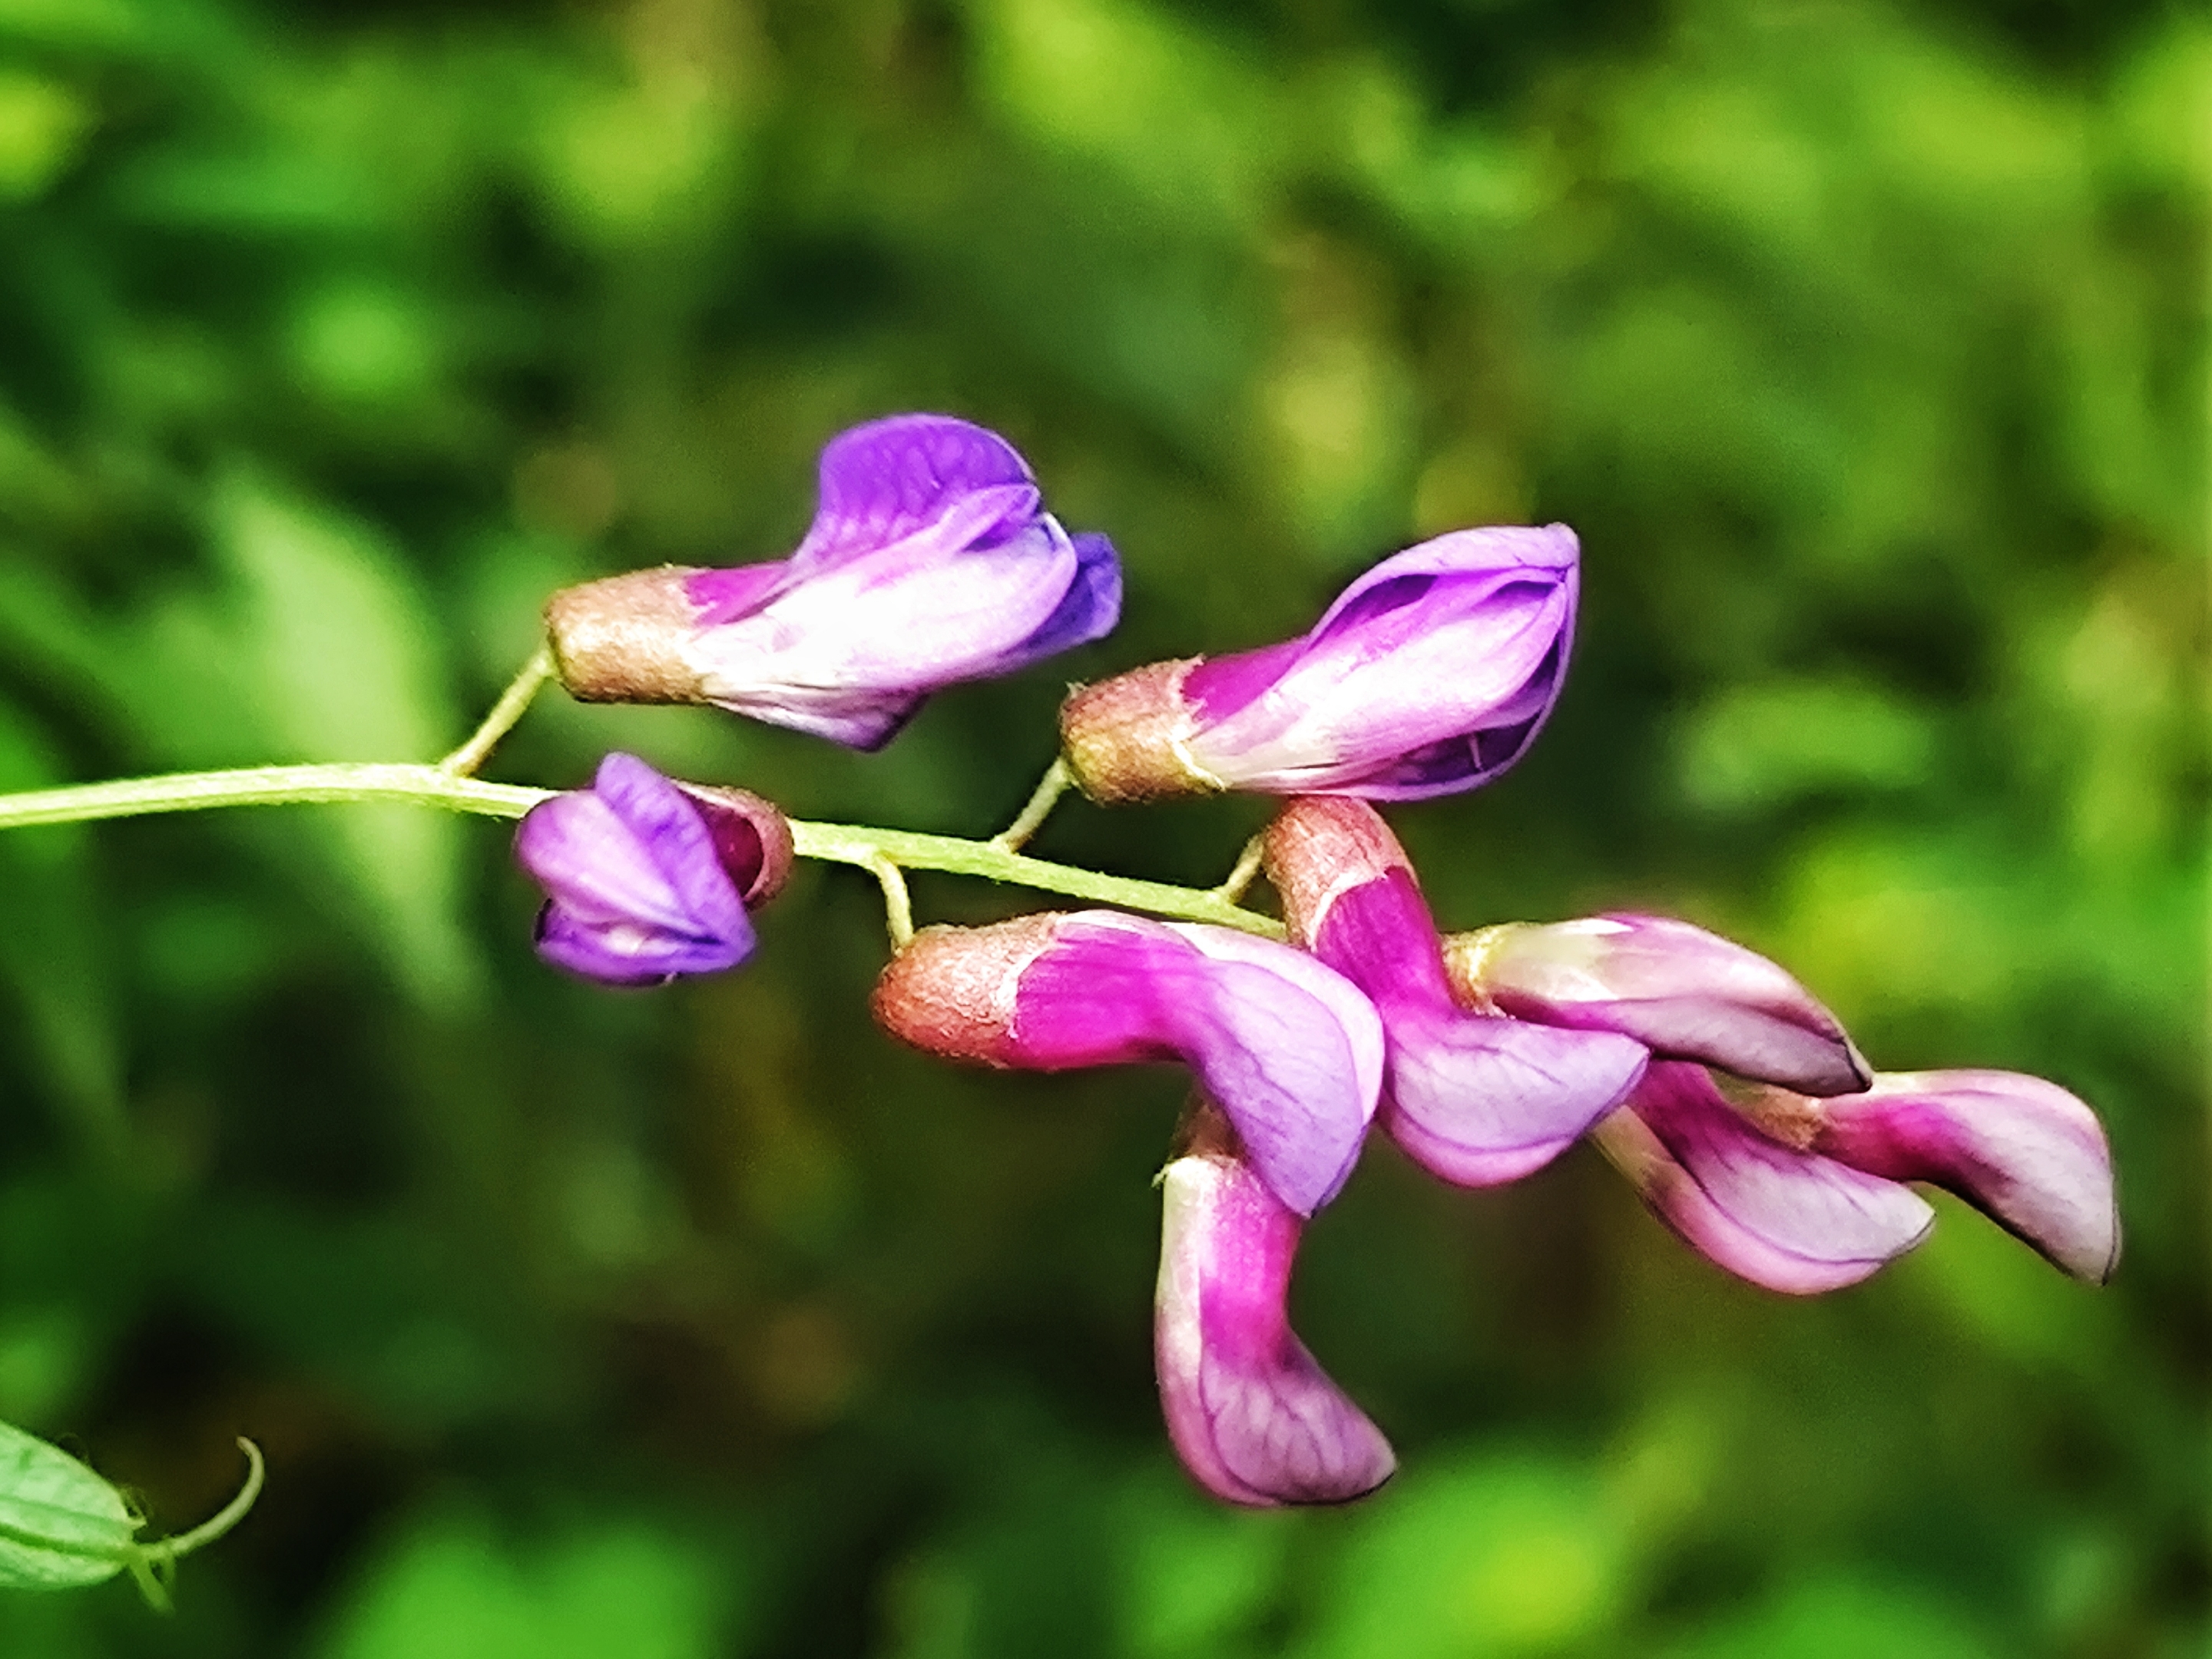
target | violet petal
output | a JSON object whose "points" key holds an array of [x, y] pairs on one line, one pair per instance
{"points": [[1393, 693], [1090, 611], [1253, 1418], [890, 479], [1293, 1052], [636, 890], [856, 648]]}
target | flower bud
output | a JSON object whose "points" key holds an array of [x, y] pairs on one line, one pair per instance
{"points": [[1430, 674], [1476, 1098], [1677, 989], [646, 879], [1253, 1418], [930, 562], [1292, 1052]]}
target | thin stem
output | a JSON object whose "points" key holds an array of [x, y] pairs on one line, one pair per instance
{"points": [[504, 713], [1247, 866], [169, 1549], [266, 786], [847, 844], [428, 785], [1046, 796], [898, 908]]}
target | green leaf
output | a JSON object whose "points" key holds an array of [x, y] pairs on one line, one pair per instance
{"points": [[61, 1525], [321, 648], [340, 653], [49, 952]]}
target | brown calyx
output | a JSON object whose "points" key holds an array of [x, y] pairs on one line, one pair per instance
{"points": [[951, 992], [1318, 846], [622, 639], [1124, 739], [752, 836]]}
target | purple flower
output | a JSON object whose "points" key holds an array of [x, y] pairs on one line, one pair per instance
{"points": [[1476, 1098], [1292, 1052], [930, 560], [646, 879], [1430, 674], [1254, 1419], [1678, 990], [1802, 1194]]}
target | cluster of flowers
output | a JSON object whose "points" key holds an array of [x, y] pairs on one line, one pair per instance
{"points": [[1733, 1099]]}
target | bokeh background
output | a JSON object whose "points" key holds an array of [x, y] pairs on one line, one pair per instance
{"points": [[1864, 346]]}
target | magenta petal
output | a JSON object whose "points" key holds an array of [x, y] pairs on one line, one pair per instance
{"points": [[1791, 1221], [1217, 687], [1293, 1053], [1099, 994], [1254, 1419], [2026, 1152], [721, 596], [1478, 1100], [1678, 990], [1473, 1098], [1378, 933]]}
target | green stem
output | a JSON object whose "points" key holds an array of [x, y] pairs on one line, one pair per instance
{"points": [[266, 786], [432, 785], [847, 844], [164, 1550], [1050, 788], [512, 704]]}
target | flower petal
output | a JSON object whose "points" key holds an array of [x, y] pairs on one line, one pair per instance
{"points": [[2025, 1153], [1291, 1051], [1294, 1053], [890, 479], [1473, 1098], [1090, 611], [1431, 672], [1253, 1418], [930, 562], [636, 887], [1791, 1221], [723, 596], [865, 641], [1435, 670], [1478, 1100], [1678, 990]]}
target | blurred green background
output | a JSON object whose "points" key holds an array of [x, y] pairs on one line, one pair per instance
{"points": [[1865, 347]]}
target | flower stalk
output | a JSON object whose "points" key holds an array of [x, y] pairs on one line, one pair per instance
{"points": [[512, 704], [865, 846]]}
